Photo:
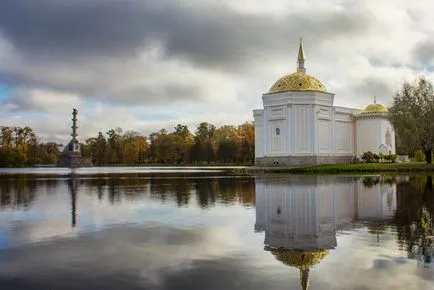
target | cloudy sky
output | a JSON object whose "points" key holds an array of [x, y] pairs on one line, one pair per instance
{"points": [[148, 64]]}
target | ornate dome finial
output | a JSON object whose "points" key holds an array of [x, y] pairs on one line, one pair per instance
{"points": [[300, 60], [298, 81]]}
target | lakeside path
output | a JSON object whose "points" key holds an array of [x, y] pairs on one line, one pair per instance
{"points": [[344, 168]]}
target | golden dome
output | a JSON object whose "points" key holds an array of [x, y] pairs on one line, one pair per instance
{"points": [[298, 258], [297, 81], [375, 108]]}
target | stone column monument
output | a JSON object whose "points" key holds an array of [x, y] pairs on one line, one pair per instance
{"points": [[71, 157]]}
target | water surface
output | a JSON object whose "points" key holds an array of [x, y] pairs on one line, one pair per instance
{"points": [[210, 230]]}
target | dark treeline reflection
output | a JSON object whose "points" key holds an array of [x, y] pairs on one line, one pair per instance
{"points": [[206, 192], [414, 218], [19, 192], [371, 181]]}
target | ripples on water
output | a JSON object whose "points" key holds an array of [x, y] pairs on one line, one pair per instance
{"points": [[204, 229]]}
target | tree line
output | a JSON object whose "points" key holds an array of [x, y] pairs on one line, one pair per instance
{"points": [[207, 145]]}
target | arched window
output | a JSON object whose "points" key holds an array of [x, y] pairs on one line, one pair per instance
{"points": [[388, 138], [277, 131]]}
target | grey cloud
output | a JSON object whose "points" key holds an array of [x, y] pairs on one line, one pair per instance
{"points": [[371, 86], [105, 80], [423, 53], [168, 92], [93, 48], [232, 41], [63, 28], [209, 35]]}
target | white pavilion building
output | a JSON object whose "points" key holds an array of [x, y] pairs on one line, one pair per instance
{"points": [[299, 125]]}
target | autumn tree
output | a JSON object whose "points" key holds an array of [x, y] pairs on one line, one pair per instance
{"points": [[134, 148], [188, 139], [96, 148], [19, 147], [226, 142], [412, 116], [170, 148], [203, 149], [246, 132]]}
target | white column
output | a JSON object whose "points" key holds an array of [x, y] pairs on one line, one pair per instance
{"points": [[314, 141], [333, 124], [265, 139], [289, 131]]}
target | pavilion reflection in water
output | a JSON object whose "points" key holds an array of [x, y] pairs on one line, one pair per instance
{"points": [[300, 215]]}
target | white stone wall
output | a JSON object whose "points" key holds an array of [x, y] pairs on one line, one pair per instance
{"points": [[325, 129], [259, 132], [276, 136], [371, 133], [368, 133], [302, 138]]}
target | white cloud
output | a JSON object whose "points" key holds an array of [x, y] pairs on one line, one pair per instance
{"points": [[42, 100]]}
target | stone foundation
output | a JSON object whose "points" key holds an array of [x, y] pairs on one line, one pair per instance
{"points": [[301, 160], [73, 160]]}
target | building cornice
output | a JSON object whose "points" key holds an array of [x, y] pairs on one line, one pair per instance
{"points": [[372, 115]]}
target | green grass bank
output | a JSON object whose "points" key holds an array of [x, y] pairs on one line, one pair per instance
{"points": [[408, 167]]}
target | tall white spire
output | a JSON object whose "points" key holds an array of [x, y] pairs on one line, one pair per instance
{"points": [[301, 58]]}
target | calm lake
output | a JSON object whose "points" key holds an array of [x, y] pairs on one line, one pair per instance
{"points": [[204, 228]]}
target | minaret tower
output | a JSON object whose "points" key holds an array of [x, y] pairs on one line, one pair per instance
{"points": [[74, 125], [300, 60], [74, 142], [71, 157]]}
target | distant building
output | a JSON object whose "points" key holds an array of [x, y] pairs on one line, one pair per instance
{"points": [[299, 125]]}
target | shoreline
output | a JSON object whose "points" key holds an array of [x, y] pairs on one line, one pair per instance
{"points": [[361, 168]]}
